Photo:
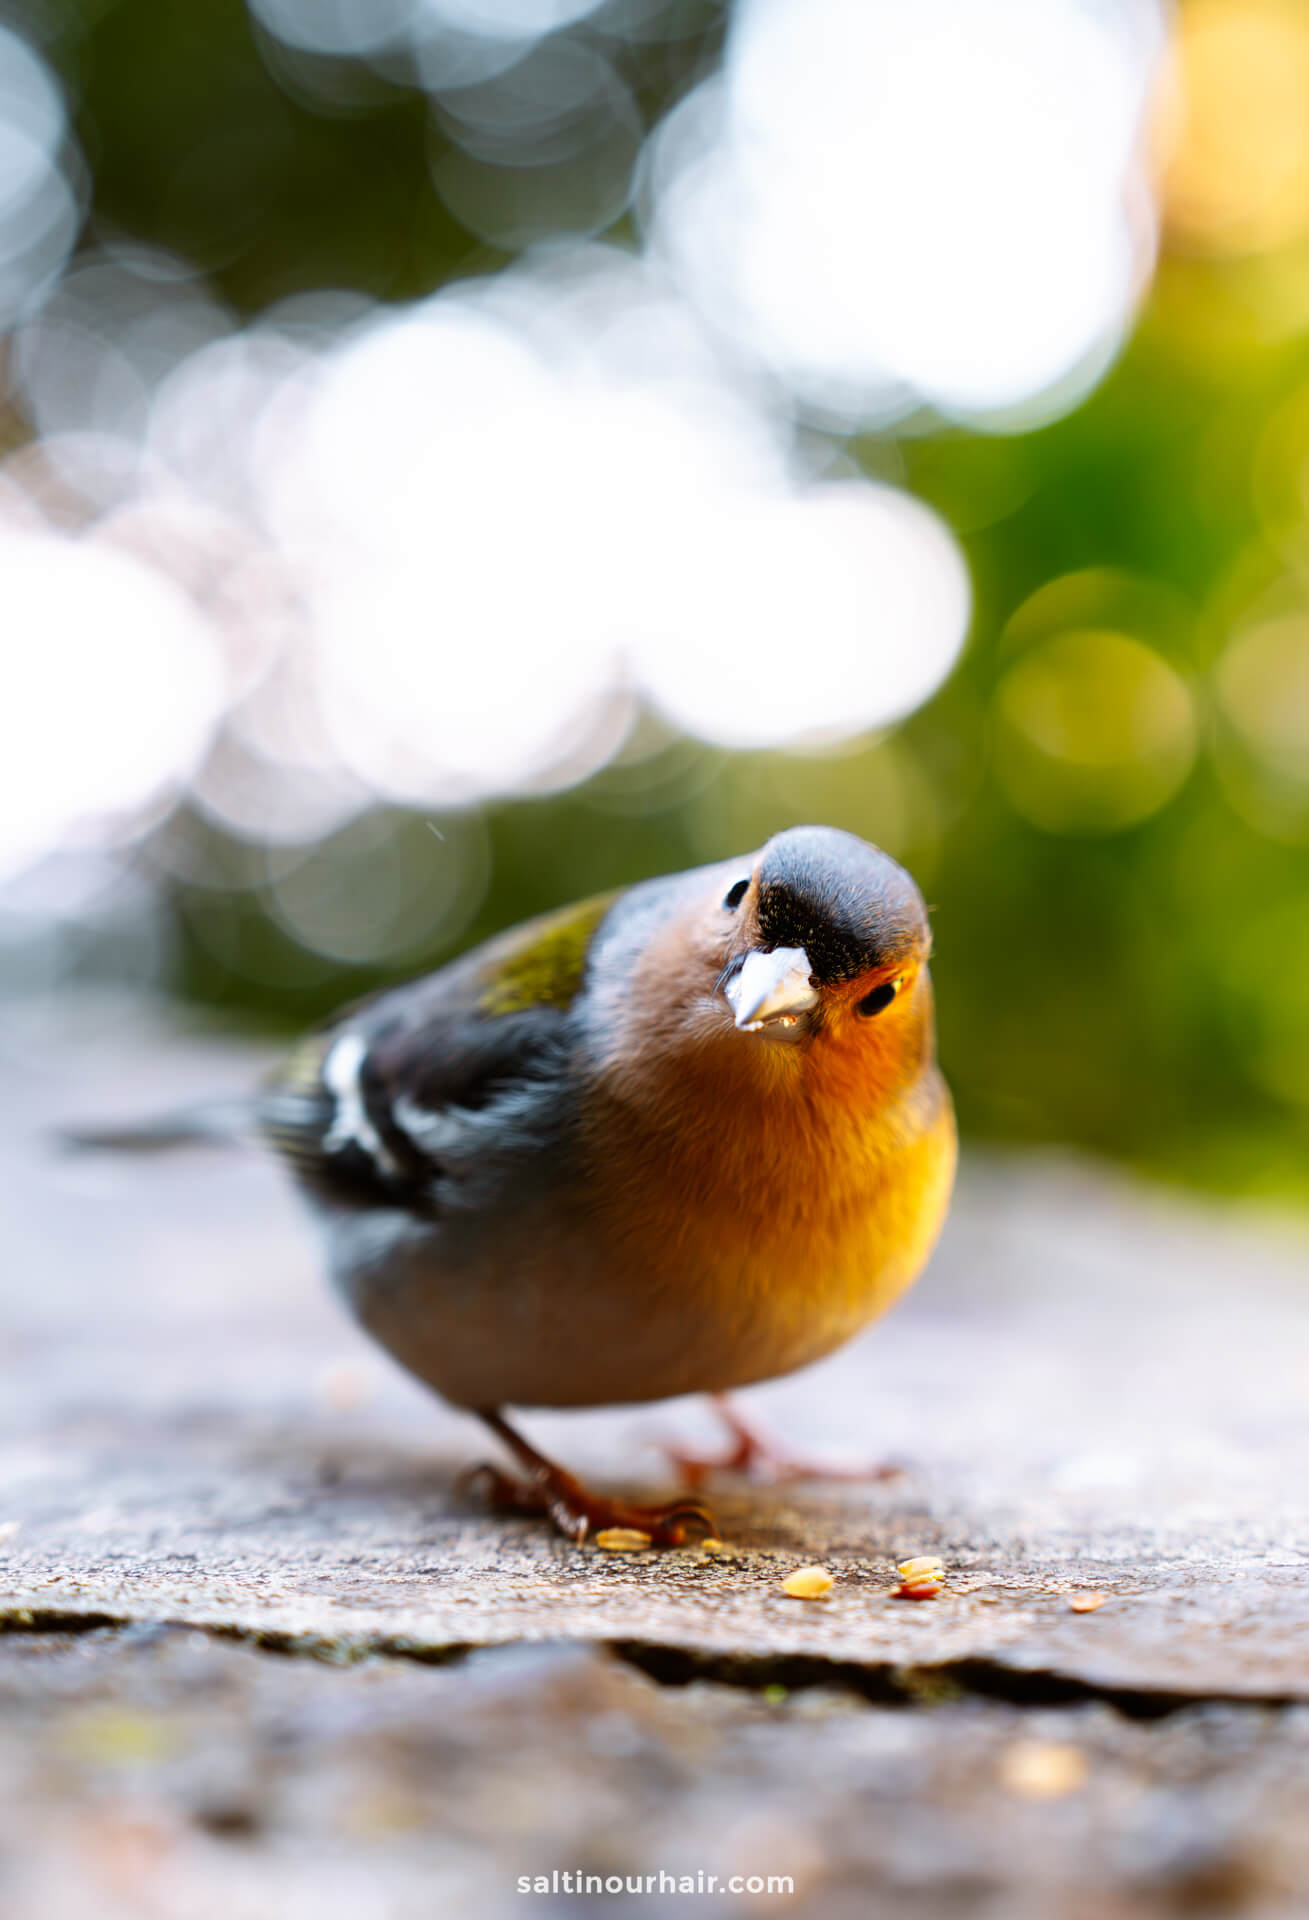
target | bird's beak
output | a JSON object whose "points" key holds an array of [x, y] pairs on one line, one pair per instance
{"points": [[772, 989]]}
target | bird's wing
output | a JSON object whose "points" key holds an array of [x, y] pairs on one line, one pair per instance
{"points": [[369, 1107]]}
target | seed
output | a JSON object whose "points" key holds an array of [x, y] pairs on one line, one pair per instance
{"points": [[1086, 1602], [622, 1539], [921, 1578], [808, 1583], [928, 1566]]}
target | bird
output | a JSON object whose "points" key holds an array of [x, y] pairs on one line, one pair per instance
{"points": [[680, 1138]]}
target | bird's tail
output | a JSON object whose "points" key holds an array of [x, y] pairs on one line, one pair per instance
{"points": [[208, 1123]]}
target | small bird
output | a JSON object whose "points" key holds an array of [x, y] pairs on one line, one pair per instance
{"points": [[675, 1139]]}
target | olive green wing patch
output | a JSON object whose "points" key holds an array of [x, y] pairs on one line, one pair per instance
{"points": [[543, 963], [294, 1108], [300, 1071]]}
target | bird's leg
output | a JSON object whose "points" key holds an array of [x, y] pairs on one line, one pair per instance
{"points": [[573, 1508], [754, 1453]]}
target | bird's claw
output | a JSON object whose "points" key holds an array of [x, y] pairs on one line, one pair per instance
{"points": [[578, 1513]]}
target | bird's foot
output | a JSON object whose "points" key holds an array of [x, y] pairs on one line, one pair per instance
{"points": [[759, 1457], [571, 1506]]}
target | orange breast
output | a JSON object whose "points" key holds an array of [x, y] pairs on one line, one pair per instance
{"points": [[771, 1218]]}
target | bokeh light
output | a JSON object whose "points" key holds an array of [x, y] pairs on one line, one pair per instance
{"points": [[548, 146], [450, 549], [90, 357], [472, 532], [660, 539], [384, 887], [1093, 732], [114, 689], [1262, 684], [1236, 128], [792, 196], [820, 614], [514, 20], [336, 27], [39, 214]]}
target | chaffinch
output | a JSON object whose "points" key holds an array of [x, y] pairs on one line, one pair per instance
{"points": [[676, 1139]]}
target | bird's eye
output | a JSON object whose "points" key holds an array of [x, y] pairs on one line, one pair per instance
{"points": [[735, 895], [879, 998]]}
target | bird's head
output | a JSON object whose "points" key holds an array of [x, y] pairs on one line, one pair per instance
{"points": [[825, 934]]}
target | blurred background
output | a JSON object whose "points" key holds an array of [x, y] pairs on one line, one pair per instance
{"points": [[459, 455]]}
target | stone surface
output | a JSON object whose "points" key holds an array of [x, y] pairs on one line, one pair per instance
{"points": [[1097, 1387], [167, 1772]]}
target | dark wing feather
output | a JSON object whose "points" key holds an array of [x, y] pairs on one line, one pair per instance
{"points": [[341, 1108]]}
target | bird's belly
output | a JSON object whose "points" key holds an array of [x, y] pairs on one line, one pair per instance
{"points": [[559, 1310]]}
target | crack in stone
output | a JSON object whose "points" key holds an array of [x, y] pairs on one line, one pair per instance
{"points": [[920, 1685], [883, 1685], [329, 1649], [343, 1650], [59, 1620]]}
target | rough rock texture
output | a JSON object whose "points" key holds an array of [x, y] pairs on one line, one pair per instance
{"points": [[1097, 1388], [164, 1771]]}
